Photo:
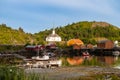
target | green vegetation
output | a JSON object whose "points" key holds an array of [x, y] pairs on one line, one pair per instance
{"points": [[65, 62], [106, 77], [88, 32], [117, 62], [14, 73], [14, 37], [92, 62]]}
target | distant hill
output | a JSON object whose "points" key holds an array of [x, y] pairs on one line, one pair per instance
{"points": [[89, 32], [13, 36]]}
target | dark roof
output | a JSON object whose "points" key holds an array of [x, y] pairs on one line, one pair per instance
{"points": [[104, 41]]}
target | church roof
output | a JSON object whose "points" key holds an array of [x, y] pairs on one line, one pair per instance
{"points": [[53, 37], [53, 34]]}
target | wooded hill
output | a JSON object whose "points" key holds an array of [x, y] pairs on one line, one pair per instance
{"points": [[13, 36], [88, 32]]}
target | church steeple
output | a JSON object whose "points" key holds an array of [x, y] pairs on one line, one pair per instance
{"points": [[53, 32], [53, 37]]}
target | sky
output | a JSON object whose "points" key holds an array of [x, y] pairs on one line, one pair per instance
{"points": [[38, 15]]}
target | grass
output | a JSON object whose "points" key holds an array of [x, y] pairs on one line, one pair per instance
{"points": [[92, 62], [117, 62], [106, 77], [14, 73]]}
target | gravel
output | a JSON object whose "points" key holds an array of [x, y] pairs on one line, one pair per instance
{"points": [[70, 72]]}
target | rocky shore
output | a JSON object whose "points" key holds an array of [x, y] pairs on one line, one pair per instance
{"points": [[74, 72]]}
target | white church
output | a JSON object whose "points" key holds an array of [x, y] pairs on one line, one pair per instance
{"points": [[53, 37]]}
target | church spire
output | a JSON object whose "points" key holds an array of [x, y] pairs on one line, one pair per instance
{"points": [[53, 37], [53, 32]]}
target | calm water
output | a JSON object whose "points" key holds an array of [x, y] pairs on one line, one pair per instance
{"points": [[106, 60]]}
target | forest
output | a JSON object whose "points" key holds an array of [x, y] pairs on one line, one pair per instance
{"points": [[88, 32]]}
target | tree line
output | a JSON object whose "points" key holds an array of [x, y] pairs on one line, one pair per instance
{"points": [[88, 32]]}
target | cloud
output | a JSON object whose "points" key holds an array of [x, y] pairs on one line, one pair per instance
{"points": [[60, 12], [99, 6]]}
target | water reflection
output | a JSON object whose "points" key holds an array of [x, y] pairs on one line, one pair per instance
{"points": [[75, 60], [106, 60]]}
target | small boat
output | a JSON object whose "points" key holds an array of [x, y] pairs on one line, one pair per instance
{"points": [[116, 53], [85, 54], [45, 57]]}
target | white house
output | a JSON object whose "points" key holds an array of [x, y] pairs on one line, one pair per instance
{"points": [[53, 37]]}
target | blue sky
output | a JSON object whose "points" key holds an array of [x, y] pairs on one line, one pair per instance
{"points": [[37, 15]]}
